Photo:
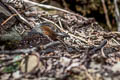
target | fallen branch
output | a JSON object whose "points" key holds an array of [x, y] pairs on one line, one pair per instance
{"points": [[103, 43], [28, 50], [51, 7]]}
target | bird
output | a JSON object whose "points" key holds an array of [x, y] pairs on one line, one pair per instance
{"points": [[48, 31]]}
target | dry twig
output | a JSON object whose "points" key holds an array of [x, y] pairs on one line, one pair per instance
{"points": [[8, 19], [51, 7], [22, 19]]}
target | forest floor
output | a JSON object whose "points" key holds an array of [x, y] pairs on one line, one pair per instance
{"points": [[64, 46]]}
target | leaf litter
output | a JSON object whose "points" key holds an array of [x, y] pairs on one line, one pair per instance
{"points": [[76, 48]]}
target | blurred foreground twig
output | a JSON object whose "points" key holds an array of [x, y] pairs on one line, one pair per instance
{"points": [[117, 14], [106, 15]]}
